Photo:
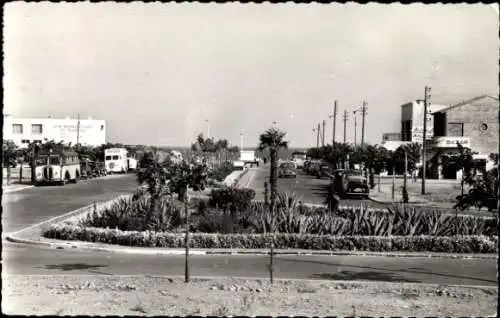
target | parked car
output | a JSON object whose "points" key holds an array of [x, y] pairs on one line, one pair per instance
{"points": [[350, 183], [313, 167], [287, 170], [306, 165], [86, 169], [325, 170]]}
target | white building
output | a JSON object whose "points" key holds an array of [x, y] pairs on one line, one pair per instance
{"points": [[22, 131]]}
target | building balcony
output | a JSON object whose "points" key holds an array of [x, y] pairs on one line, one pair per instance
{"points": [[449, 142]]}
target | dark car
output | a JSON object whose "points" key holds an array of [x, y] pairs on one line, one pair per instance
{"points": [[324, 171], [287, 170], [313, 167], [350, 182]]}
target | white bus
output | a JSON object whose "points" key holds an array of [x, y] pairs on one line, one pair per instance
{"points": [[57, 167], [116, 160]]}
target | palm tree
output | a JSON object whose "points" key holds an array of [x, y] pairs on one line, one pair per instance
{"points": [[273, 140]]}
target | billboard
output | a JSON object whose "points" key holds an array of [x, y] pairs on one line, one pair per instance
{"points": [[417, 129]]}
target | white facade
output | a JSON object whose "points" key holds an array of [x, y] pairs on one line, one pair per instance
{"points": [[414, 112], [22, 131]]}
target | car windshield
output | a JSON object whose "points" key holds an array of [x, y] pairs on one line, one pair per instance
{"points": [[41, 160], [287, 166], [55, 160], [353, 173]]}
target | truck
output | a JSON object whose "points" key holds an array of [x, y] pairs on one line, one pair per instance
{"points": [[247, 157]]}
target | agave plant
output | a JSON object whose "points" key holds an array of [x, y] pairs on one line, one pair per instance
{"points": [[407, 219], [375, 223], [288, 215]]}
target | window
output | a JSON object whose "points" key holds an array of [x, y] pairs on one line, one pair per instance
{"points": [[37, 141], [484, 127], [36, 129], [108, 157], [17, 128], [25, 141], [116, 157], [41, 160], [102, 127], [54, 160]]}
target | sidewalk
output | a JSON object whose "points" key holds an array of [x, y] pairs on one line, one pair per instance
{"points": [[13, 187], [440, 193], [385, 195]]}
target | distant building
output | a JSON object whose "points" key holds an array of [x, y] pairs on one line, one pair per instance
{"points": [[23, 131], [391, 137], [472, 123]]}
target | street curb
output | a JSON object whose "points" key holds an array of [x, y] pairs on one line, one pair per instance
{"points": [[16, 190], [89, 246], [394, 202], [237, 181]]}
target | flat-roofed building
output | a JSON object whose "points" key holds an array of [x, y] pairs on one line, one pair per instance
{"points": [[23, 131]]}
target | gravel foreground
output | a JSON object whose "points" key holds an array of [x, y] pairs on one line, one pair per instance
{"points": [[146, 295]]}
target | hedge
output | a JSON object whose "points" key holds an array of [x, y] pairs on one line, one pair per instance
{"points": [[448, 244]]}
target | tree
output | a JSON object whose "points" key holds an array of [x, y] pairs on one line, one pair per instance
{"points": [[9, 157], [483, 187], [273, 140], [413, 151], [167, 177]]}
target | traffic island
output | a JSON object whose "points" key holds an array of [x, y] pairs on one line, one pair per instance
{"points": [[351, 230]]}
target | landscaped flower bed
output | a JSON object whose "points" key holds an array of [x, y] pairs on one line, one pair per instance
{"points": [[450, 244], [400, 228]]}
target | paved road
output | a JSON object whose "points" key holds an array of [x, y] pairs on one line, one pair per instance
{"points": [[34, 205], [311, 189], [30, 206], [22, 259]]}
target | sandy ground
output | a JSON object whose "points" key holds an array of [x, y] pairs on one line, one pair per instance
{"points": [[138, 295]]}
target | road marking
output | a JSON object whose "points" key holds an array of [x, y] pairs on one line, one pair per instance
{"points": [[252, 176]]}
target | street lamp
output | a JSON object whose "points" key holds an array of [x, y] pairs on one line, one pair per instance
{"points": [[241, 140], [208, 128]]}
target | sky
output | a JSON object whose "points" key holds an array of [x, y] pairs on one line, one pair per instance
{"points": [[157, 72]]}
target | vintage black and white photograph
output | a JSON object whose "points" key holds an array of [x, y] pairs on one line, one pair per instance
{"points": [[245, 159]]}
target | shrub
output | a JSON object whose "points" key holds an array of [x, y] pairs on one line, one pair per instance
{"points": [[448, 244], [231, 197], [220, 172], [129, 214]]}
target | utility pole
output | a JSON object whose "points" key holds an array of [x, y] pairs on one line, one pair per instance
{"points": [[345, 124], [78, 129], [363, 113], [334, 116], [314, 130], [318, 130], [323, 136], [426, 104], [355, 126]]}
